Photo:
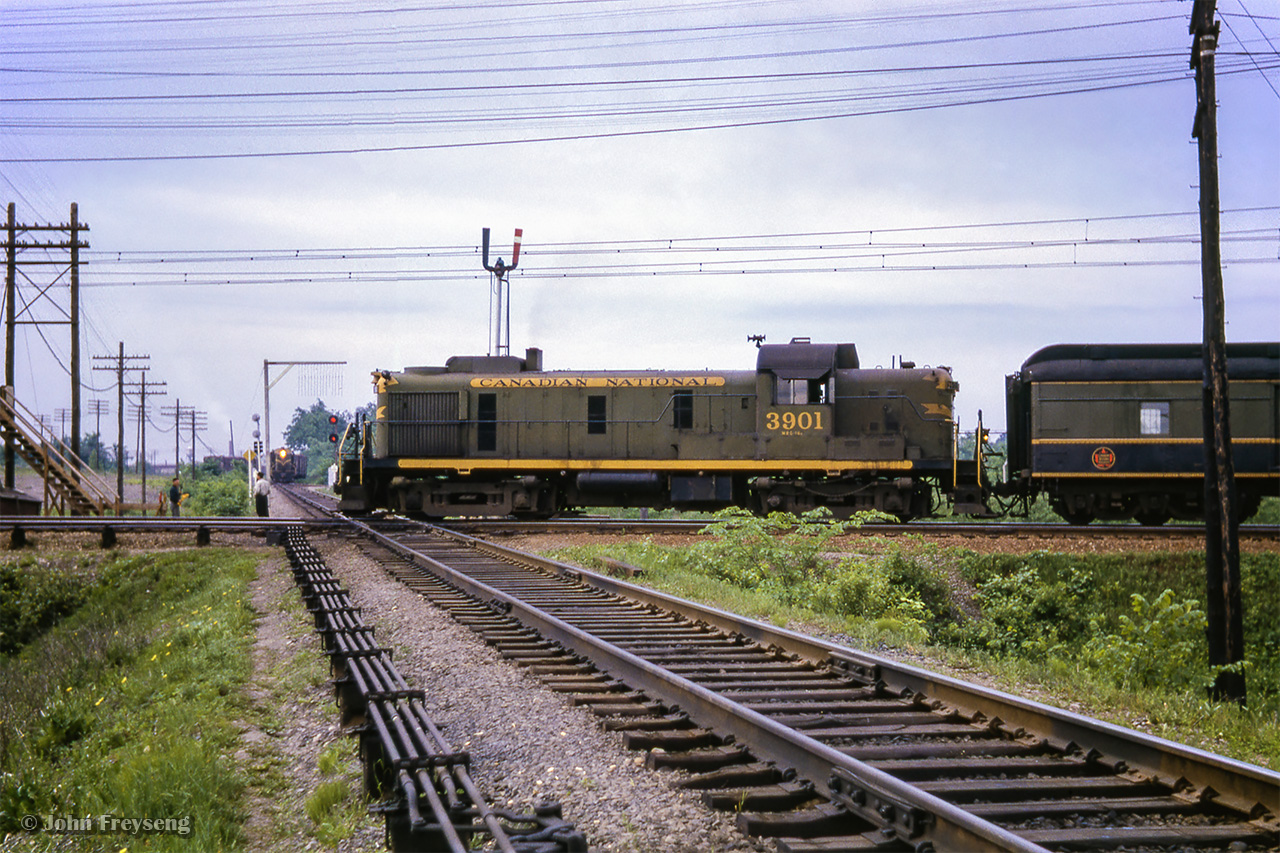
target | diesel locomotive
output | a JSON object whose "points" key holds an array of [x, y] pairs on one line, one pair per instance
{"points": [[1116, 431], [485, 435], [287, 465]]}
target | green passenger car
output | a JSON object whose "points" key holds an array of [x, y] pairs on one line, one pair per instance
{"points": [[1116, 431]]}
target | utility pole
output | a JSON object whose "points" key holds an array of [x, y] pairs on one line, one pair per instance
{"points": [[74, 231], [177, 410], [198, 421], [98, 408], [1221, 524], [122, 363], [61, 415], [142, 386], [10, 317], [35, 252]]}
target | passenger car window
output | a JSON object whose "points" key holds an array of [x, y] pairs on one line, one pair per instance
{"points": [[1154, 419]]}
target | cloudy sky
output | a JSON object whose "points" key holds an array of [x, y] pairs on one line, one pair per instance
{"points": [[946, 182]]}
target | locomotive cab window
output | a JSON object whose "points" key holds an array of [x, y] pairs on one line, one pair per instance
{"points": [[682, 406], [597, 421], [800, 392], [1154, 419]]}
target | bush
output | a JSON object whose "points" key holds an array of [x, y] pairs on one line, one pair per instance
{"points": [[1162, 644], [35, 594], [897, 587], [780, 552], [1031, 616], [223, 495]]}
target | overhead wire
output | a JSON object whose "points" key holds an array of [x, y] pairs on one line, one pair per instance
{"points": [[1028, 244], [749, 92]]}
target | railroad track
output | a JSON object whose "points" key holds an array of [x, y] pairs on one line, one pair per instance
{"points": [[827, 748], [507, 527], [428, 798]]}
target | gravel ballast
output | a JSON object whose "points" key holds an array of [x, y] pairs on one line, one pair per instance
{"points": [[528, 746]]}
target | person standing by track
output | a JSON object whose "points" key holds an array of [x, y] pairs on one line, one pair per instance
{"points": [[261, 488], [175, 496]]}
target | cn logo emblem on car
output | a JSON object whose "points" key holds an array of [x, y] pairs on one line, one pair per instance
{"points": [[1104, 458]]}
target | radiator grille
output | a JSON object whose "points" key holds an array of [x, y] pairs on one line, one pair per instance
{"points": [[425, 424]]}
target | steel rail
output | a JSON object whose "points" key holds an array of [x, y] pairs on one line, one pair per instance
{"points": [[183, 524], [1133, 756], [1237, 784], [1266, 532], [899, 808]]}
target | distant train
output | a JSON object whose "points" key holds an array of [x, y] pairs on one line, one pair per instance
{"points": [[808, 427], [287, 465]]}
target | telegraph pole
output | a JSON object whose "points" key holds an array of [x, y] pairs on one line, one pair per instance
{"points": [[10, 317], [122, 363], [98, 408], [178, 411], [35, 252], [1221, 524], [74, 317], [142, 386], [198, 422]]}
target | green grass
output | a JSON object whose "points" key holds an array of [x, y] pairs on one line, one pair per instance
{"points": [[1120, 637], [127, 705]]}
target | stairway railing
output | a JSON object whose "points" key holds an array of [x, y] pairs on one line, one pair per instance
{"points": [[70, 486]]}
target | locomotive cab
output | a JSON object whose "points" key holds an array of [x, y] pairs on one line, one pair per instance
{"points": [[795, 387]]}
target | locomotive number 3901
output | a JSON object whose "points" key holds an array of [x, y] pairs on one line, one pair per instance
{"points": [[788, 421]]}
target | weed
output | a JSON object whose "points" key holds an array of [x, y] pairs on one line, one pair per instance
{"points": [[1161, 644], [322, 800], [331, 760]]}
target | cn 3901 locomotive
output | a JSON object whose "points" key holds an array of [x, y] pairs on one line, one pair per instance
{"points": [[808, 427]]}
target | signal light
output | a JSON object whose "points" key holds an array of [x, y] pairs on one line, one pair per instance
{"points": [[333, 422], [333, 419]]}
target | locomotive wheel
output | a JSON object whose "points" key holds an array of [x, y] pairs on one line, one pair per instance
{"points": [[1079, 518]]}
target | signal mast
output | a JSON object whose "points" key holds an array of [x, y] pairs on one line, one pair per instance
{"points": [[500, 323]]}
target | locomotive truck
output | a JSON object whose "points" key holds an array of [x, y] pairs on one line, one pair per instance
{"points": [[499, 435]]}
